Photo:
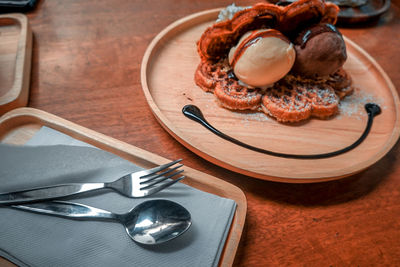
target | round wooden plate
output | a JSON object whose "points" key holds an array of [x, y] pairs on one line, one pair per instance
{"points": [[167, 76]]}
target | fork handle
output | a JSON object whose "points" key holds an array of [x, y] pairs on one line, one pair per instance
{"points": [[47, 193]]}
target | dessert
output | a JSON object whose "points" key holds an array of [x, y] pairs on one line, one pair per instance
{"points": [[320, 51], [285, 61], [262, 57]]}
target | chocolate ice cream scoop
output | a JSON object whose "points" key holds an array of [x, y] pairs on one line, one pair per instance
{"points": [[320, 51]]}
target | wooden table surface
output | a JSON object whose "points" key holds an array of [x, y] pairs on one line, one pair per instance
{"points": [[86, 69]]}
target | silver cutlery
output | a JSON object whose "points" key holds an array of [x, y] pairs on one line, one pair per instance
{"points": [[151, 222], [134, 185]]}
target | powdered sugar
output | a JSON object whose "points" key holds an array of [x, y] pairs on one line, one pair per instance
{"points": [[229, 11], [247, 117], [353, 105]]}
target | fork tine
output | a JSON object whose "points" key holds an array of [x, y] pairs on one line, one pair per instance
{"points": [[160, 168], [146, 178], [162, 186], [156, 181]]}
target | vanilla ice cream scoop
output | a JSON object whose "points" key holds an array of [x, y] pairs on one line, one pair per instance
{"points": [[262, 57]]}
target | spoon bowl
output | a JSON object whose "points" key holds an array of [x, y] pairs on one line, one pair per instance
{"points": [[156, 221], [152, 222]]}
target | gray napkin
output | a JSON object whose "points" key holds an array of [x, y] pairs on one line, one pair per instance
{"points": [[30, 239]]}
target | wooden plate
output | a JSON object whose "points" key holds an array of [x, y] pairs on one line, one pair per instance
{"points": [[19, 125], [370, 11], [167, 75], [15, 61]]}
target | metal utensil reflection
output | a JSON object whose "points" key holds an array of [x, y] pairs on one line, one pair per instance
{"points": [[151, 222]]}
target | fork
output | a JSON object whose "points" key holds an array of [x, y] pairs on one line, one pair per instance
{"points": [[134, 185]]}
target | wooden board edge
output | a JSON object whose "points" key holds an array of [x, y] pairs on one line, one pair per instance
{"points": [[395, 96], [6, 263], [18, 95]]}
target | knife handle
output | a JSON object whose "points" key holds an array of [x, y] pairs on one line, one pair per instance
{"points": [[47, 193]]}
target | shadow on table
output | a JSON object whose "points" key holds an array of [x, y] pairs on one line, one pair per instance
{"points": [[326, 193]]}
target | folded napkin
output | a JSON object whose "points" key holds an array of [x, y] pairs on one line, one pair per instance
{"points": [[50, 157]]}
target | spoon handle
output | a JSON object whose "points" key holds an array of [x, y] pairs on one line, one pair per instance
{"points": [[69, 210], [47, 193]]}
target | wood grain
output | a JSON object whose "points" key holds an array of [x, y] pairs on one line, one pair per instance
{"points": [[169, 87], [86, 69], [15, 61]]}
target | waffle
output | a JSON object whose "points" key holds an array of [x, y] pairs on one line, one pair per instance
{"points": [[291, 99], [232, 95], [217, 39], [341, 82], [208, 74], [218, 78]]}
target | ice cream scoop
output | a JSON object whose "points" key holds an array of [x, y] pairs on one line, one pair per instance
{"points": [[320, 51], [262, 57]]}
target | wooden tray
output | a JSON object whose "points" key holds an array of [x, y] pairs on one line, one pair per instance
{"points": [[167, 76], [19, 125], [15, 61]]}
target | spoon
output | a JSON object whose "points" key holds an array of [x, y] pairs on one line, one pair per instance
{"points": [[151, 222]]}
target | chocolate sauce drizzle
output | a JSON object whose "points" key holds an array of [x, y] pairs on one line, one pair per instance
{"points": [[310, 33], [195, 114]]}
